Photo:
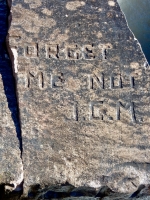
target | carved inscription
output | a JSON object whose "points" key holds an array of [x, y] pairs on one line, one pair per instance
{"points": [[112, 82], [72, 52], [132, 81], [97, 111], [89, 52], [115, 81], [68, 52], [53, 51], [57, 81], [94, 82], [31, 50], [36, 79], [129, 107]]}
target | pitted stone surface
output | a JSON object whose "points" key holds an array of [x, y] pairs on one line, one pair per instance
{"points": [[83, 90], [11, 170]]}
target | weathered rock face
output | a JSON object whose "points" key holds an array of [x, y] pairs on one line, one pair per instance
{"points": [[11, 170], [83, 90]]}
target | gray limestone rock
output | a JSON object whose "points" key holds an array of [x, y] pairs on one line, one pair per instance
{"points": [[83, 94]]}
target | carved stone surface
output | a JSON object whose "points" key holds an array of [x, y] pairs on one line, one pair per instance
{"points": [[11, 170], [83, 90]]}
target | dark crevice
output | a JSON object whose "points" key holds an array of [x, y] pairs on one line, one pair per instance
{"points": [[9, 195], [7, 72], [17, 119], [2, 191]]}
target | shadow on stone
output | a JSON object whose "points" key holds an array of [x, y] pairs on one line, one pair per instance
{"points": [[33, 191], [135, 194], [104, 191], [2, 191], [143, 191], [60, 191], [6, 194], [83, 191]]}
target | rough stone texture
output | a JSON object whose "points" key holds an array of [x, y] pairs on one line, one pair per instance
{"points": [[11, 171], [83, 90]]}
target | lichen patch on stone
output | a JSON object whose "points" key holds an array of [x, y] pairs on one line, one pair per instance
{"points": [[111, 3], [73, 5], [46, 11], [99, 35], [33, 3]]}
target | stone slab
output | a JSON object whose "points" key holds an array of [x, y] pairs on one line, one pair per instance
{"points": [[11, 169], [83, 90]]}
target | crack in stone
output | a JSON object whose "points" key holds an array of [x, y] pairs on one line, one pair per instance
{"points": [[14, 60]]}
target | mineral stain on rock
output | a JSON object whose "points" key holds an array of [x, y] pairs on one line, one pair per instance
{"points": [[73, 5], [111, 3]]}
